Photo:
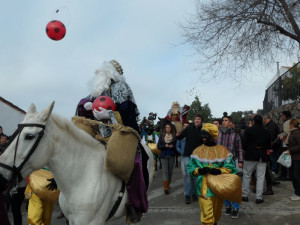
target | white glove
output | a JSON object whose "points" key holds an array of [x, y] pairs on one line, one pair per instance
{"points": [[88, 106], [101, 115]]}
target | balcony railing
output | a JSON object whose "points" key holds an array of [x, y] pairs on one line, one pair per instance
{"points": [[284, 90]]}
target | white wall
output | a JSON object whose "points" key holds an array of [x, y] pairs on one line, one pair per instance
{"points": [[9, 118]]}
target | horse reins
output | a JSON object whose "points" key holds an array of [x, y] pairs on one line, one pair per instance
{"points": [[16, 170]]}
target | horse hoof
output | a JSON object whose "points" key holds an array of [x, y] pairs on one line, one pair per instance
{"points": [[134, 214]]}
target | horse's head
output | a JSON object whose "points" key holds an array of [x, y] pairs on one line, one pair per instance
{"points": [[163, 122], [24, 154]]}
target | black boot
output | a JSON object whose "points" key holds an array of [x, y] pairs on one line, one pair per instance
{"points": [[269, 190], [133, 213]]}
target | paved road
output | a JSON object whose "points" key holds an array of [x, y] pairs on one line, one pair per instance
{"points": [[171, 209]]}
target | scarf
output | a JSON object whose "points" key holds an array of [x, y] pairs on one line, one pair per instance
{"points": [[286, 141], [168, 138], [225, 129]]}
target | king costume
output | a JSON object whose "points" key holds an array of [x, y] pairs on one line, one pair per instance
{"points": [[209, 161], [177, 115], [109, 81]]}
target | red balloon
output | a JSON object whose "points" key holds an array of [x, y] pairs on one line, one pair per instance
{"points": [[55, 30], [105, 102]]}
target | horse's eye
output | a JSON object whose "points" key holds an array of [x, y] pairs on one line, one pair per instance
{"points": [[29, 136]]}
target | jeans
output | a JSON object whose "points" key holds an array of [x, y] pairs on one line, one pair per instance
{"points": [[295, 175], [189, 181], [167, 167], [182, 166], [249, 167], [234, 205], [227, 203]]}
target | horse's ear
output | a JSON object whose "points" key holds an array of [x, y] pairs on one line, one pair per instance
{"points": [[45, 114], [32, 108]]}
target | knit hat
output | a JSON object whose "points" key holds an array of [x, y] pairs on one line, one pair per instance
{"points": [[211, 129], [287, 114]]}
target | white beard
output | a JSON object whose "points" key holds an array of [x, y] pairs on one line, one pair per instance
{"points": [[175, 110], [102, 79]]}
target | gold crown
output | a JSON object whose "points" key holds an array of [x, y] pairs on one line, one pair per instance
{"points": [[117, 66]]}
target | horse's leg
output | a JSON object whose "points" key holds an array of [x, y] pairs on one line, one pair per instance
{"points": [[86, 219]]}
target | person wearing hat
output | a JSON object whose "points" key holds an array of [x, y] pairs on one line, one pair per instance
{"points": [[149, 137], [110, 81], [177, 115], [210, 158]]}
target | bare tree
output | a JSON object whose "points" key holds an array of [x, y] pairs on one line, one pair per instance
{"points": [[243, 33]]}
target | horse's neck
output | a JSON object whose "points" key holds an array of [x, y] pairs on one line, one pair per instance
{"points": [[73, 156]]}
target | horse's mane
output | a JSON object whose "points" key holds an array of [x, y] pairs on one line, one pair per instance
{"points": [[72, 130]]}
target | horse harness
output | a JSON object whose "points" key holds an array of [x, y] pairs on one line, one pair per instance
{"points": [[16, 171], [118, 202]]}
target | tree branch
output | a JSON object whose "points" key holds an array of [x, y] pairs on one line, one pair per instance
{"points": [[291, 19], [280, 29]]}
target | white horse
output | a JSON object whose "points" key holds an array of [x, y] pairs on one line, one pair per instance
{"points": [[77, 161]]}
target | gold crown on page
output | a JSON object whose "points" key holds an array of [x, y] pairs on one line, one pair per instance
{"points": [[117, 66]]}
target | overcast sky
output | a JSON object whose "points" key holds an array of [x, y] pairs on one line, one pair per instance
{"points": [[142, 35]]}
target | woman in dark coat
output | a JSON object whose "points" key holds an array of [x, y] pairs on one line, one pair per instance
{"points": [[167, 145], [293, 143]]}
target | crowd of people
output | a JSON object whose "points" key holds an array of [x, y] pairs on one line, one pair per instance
{"points": [[246, 153], [255, 146]]}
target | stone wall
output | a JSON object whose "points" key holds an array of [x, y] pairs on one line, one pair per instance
{"points": [[294, 108]]}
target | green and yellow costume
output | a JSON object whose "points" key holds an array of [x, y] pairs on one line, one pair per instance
{"points": [[217, 157]]}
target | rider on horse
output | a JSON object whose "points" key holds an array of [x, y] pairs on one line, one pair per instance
{"points": [[109, 81], [177, 115]]}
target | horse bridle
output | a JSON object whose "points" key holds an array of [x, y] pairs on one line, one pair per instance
{"points": [[16, 171], [16, 175]]}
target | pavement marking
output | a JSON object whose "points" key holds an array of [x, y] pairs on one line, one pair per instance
{"points": [[159, 191], [280, 211], [176, 210]]}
